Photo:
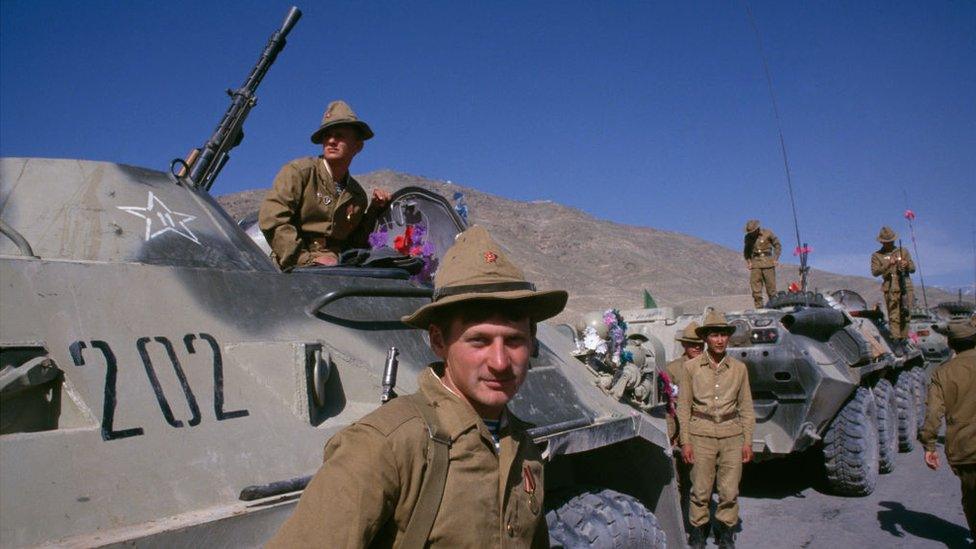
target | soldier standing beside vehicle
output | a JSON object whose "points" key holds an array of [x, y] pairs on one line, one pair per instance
{"points": [[374, 486], [761, 251], [716, 421], [952, 393], [693, 347], [894, 265], [315, 210]]}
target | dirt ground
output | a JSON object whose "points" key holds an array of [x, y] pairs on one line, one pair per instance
{"points": [[783, 504]]}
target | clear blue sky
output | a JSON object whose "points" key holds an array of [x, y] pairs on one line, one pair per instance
{"points": [[651, 114]]}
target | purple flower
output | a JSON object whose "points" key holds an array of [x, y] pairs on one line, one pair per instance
{"points": [[378, 238], [419, 231], [428, 249]]}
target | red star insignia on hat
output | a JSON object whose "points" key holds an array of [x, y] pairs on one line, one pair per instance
{"points": [[490, 256]]}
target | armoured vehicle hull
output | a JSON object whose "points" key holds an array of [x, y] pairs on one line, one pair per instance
{"points": [[171, 386], [823, 373]]}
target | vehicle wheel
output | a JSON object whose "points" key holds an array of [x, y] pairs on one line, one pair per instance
{"points": [[921, 388], [884, 399], [602, 518], [907, 410], [851, 446]]}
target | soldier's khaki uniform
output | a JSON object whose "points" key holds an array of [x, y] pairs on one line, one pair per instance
{"points": [[305, 216], [676, 372], [762, 253], [883, 264], [716, 417], [367, 488], [952, 393]]}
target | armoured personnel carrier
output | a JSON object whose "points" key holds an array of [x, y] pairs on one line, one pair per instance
{"points": [[934, 346], [822, 373], [163, 384]]}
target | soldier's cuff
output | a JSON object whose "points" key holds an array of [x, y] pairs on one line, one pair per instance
{"points": [[929, 446]]}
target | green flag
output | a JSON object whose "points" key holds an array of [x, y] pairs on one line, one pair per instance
{"points": [[649, 301]]}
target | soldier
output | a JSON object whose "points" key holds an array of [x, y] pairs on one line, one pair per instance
{"points": [[693, 347], [761, 251], [453, 445], [716, 421], [951, 391], [315, 209], [894, 265]]}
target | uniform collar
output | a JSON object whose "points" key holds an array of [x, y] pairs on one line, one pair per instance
{"points": [[705, 360], [325, 174]]}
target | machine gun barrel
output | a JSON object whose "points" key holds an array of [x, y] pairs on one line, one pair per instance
{"points": [[206, 162], [390, 375]]}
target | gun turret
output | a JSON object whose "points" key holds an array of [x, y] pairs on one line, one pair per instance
{"points": [[203, 165]]}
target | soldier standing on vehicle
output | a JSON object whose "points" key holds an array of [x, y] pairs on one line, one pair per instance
{"points": [[315, 210], [894, 265], [716, 421], [952, 393], [761, 251], [693, 347], [376, 488]]}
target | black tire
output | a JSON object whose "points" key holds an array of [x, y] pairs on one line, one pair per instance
{"points": [[884, 400], [921, 388], [851, 446], [907, 410], [602, 518]]}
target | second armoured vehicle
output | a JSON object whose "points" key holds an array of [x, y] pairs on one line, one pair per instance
{"points": [[822, 373]]}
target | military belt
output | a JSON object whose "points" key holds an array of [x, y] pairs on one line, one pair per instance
{"points": [[762, 254], [716, 419]]}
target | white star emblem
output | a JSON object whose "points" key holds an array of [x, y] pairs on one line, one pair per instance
{"points": [[168, 219]]}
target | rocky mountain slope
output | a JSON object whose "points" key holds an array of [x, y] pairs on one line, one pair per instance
{"points": [[614, 263]]}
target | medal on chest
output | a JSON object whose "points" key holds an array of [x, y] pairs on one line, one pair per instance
{"points": [[325, 199]]}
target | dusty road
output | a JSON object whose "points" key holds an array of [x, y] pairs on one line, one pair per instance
{"points": [[911, 507]]}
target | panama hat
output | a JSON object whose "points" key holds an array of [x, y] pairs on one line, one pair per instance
{"points": [[886, 235], [714, 322], [339, 113], [688, 335], [752, 225], [475, 268]]}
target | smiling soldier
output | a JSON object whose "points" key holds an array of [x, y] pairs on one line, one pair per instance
{"points": [[448, 466], [315, 209], [716, 422]]}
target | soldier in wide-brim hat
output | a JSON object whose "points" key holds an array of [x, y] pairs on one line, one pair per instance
{"points": [[761, 249], [692, 347], [716, 422], [481, 325], [950, 394], [315, 209], [894, 265]]}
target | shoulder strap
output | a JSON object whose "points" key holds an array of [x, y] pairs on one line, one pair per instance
{"points": [[435, 477]]}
